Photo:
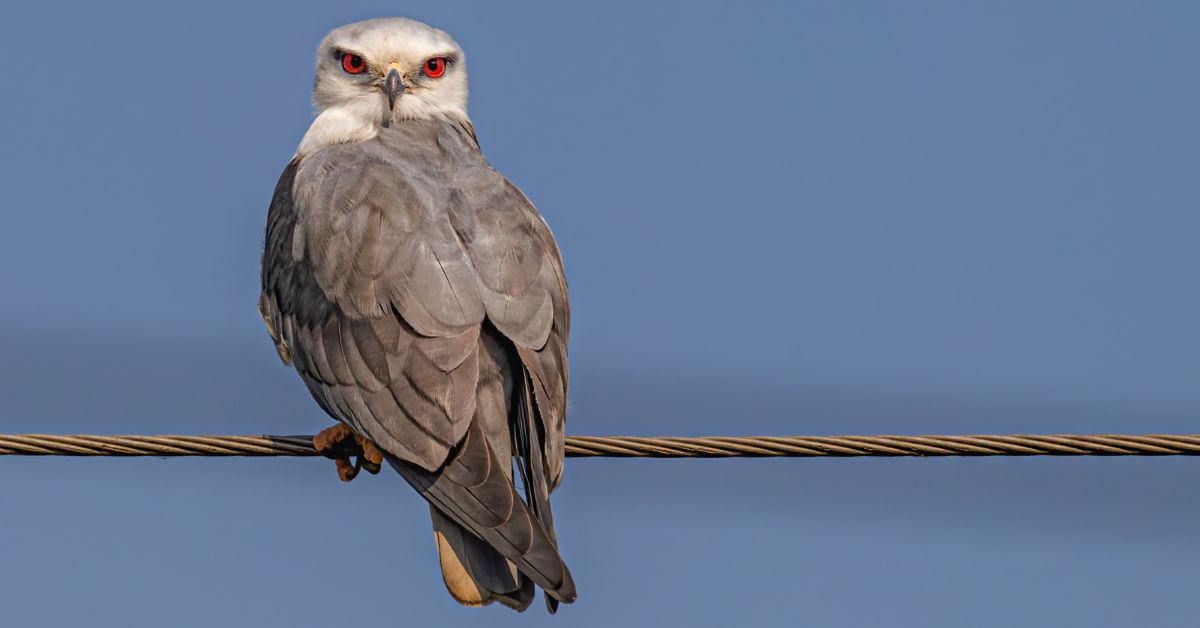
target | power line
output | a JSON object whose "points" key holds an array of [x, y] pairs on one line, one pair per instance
{"points": [[649, 447]]}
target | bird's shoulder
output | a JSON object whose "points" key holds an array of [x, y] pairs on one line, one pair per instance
{"points": [[422, 197]]}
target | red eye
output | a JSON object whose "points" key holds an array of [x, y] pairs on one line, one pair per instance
{"points": [[353, 64], [435, 67]]}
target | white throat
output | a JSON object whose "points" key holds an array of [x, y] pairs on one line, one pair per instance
{"points": [[359, 121], [339, 124]]}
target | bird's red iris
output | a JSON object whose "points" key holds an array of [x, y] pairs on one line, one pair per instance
{"points": [[435, 67], [353, 64]]}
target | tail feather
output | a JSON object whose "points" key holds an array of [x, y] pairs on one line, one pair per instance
{"points": [[474, 573], [492, 544], [473, 491]]}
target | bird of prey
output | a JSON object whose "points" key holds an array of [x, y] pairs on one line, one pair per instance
{"points": [[422, 299]]}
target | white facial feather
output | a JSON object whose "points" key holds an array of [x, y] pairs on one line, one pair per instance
{"points": [[352, 108]]}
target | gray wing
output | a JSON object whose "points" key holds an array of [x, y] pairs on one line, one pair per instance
{"points": [[376, 285], [525, 296], [376, 307], [524, 290], [381, 288]]}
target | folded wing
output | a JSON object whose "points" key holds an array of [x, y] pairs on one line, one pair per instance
{"points": [[379, 276]]}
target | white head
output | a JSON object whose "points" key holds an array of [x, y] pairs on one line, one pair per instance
{"points": [[373, 73]]}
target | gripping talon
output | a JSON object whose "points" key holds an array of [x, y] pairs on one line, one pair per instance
{"points": [[371, 458], [346, 471], [340, 443]]}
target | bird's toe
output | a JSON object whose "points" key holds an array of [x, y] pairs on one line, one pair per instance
{"points": [[340, 443], [332, 438], [346, 471], [371, 457]]}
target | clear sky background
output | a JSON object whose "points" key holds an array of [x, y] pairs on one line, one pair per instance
{"points": [[799, 218]]}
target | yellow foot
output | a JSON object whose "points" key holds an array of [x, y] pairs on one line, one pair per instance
{"points": [[340, 443]]}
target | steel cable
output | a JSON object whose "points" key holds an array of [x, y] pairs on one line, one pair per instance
{"points": [[649, 447]]}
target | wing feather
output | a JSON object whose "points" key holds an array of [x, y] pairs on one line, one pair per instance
{"points": [[368, 298], [384, 260]]}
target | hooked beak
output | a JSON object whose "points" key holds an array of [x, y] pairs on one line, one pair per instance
{"points": [[393, 86]]}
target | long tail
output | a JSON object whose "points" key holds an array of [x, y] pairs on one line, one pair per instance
{"points": [[473, 491], [474, 573]]}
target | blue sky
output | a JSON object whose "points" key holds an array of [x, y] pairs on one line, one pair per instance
{"points": [[809, 218]]}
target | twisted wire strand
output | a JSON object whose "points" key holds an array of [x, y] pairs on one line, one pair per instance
{"points": [[648, 447]]}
